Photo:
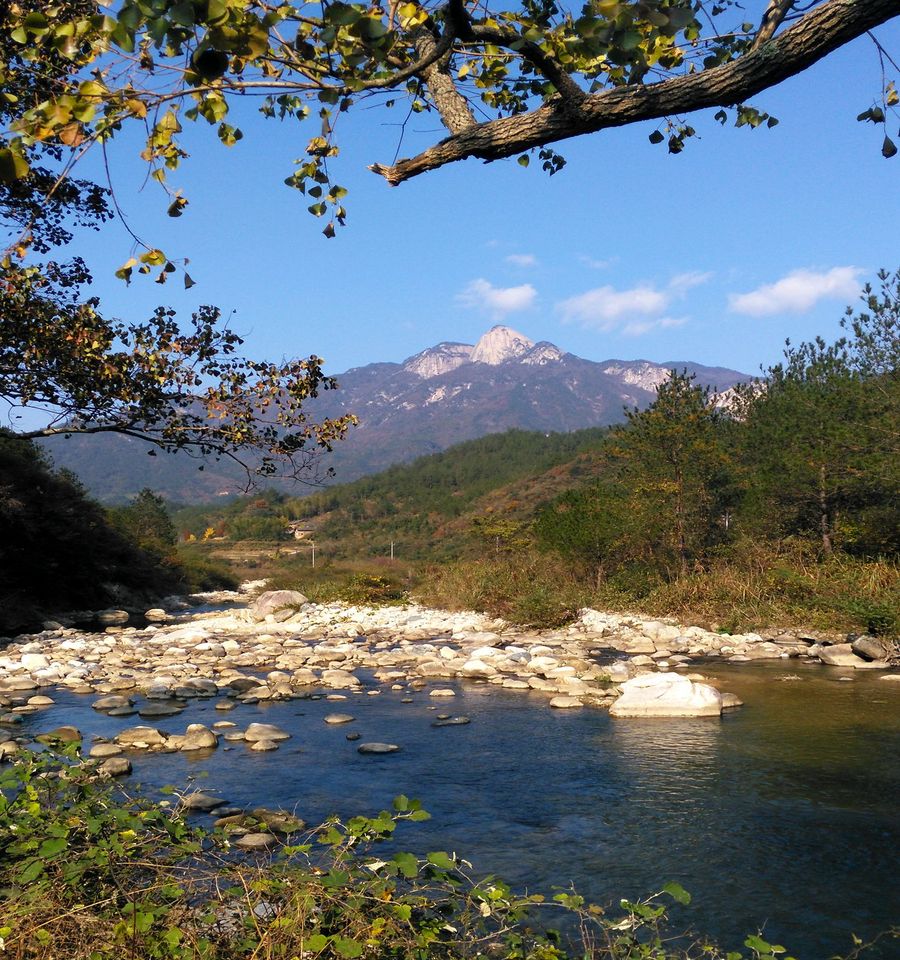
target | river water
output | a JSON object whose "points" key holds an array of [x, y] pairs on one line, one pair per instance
{"points": [[781, 816]]}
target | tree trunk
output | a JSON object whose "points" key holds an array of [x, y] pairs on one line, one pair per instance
{"points": [[824, 520], [679, 521]]}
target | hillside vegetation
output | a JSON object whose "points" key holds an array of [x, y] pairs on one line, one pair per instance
{"points": [[425, 507], [784, 509]]}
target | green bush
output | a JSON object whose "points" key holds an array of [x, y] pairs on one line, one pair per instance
{"points": [[370, 589]]}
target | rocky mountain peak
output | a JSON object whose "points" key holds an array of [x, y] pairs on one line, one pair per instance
{"points": [[439, 359], [542, 353], [499, 345]]}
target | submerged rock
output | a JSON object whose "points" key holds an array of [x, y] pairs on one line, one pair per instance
{"points": [[377, 748]]}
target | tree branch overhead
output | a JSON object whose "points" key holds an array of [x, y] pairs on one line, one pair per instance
{"points": [[818, 33]]}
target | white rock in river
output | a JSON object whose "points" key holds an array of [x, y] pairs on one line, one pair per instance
{"points": [[198, 737], [562, 703], [34, 661], [264, 731], [666, 695], [274, 600], [146, 735]]}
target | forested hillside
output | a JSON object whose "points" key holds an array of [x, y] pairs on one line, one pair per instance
{"points": [[407, 504], [61, 551]]}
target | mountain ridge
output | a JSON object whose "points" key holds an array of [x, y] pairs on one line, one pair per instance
{"points": [[440, 396]]}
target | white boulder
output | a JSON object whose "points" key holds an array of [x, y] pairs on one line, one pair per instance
{"points": [[666, 695]]}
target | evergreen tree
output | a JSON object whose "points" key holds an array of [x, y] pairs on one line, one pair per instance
{"points": [[672, 463], [822, 434], [147, 524]]}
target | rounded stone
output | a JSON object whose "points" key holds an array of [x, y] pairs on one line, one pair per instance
{"points": [[201, 802], [564, 703], [256, 841], [337, 718], [377, 748], [265, 731], [115, 767]]}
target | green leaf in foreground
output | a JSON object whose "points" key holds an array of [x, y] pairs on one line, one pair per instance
{"points": [[677, 892]]}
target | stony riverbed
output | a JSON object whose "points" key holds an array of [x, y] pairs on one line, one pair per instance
{"points": [[280, 647]]}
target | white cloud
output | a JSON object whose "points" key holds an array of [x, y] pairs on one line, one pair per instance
{"points": [[522, 259], [603, 307], [498, 301], [798, 292], [682, 282], [637, 328], [635, 310], [597, 264]]}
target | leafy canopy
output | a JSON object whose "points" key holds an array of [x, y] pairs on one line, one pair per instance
{"points": [[503, 81]]}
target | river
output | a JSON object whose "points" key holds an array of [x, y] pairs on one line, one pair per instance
{"points": [[780, 816]]}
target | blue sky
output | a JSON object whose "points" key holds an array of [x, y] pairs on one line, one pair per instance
{"points": [[716, 255]]}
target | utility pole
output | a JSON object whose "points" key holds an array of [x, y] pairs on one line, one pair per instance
{"points": [[392, 549], [313, 542]]}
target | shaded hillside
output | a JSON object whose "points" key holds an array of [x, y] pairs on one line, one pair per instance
{"points": [[58, 550]]}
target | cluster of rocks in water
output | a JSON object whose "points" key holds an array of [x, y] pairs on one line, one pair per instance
{"points": [[279, 647]]}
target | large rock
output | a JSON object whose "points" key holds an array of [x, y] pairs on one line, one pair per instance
{"points": [[198, 737], [115, 767], [135, 736], [264, 731], [870, 648], [666, 695], [838, 655], [272, 601]]}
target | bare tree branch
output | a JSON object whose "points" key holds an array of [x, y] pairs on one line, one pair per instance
{"points": [[451, 104], [817, 34], [771, 21]]}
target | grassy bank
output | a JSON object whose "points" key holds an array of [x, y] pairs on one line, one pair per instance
{"points": [[89, 873], [755, 587], [761, 587]]}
